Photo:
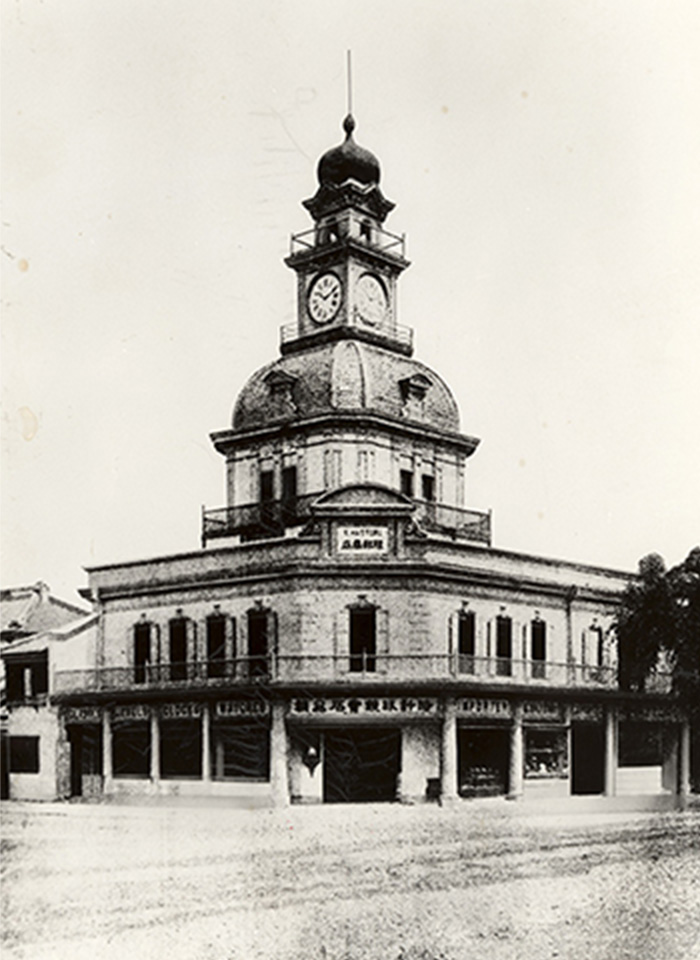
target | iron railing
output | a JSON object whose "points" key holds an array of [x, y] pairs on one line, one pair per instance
{"points": [[344, 227], [271, 518], [351, 668]]}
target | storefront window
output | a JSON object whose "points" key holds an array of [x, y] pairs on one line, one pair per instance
{"points": [[546, 754], [240, 751]]}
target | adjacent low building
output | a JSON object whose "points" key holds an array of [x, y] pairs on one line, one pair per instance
{"points": [[347, 631]]}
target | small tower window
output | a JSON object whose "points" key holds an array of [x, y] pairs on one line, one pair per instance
{"points": [[407, 482], [428, 487]]}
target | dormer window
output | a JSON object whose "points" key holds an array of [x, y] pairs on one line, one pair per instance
{"points": [[280, 387], [413, 391]]}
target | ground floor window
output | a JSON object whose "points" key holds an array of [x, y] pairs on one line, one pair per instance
{"points": [[24, 754], [546, 754], [180, 749], [240, 751], [131, 748], [640, 744]]}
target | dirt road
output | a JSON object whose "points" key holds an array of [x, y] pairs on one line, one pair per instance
{"points": [[377, 882]]}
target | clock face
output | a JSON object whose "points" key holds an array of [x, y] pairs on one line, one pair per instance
{"points": [[324, 298], [371, 299]]}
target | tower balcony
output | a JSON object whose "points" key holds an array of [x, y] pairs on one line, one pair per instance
{"points": [[347, 228], [270, 518]]}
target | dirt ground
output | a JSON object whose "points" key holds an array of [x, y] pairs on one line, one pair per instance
{"points": [[378, 882]]}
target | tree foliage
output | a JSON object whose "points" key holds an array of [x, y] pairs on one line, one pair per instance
{"points": [[659, 615]]}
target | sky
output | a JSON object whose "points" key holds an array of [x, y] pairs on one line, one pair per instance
{"points": [[545, 161]]}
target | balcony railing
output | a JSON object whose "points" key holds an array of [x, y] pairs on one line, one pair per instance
{"points": [[456, 521], [397, 333], [348, 227], [357, 668], [271, 518]]}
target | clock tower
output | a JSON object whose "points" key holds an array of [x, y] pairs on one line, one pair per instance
{"points": [[347, 265]]}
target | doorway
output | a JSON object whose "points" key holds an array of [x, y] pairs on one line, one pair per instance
{"points": [[587, 758], [484, 756], [361, 766], [85, 759]]}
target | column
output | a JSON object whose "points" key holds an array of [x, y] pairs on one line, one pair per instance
{"points": [[448, 754], [206, 748], [610, 751], [155, 747], [107, 749], [684, 762], [278, 757], [515, 779]]}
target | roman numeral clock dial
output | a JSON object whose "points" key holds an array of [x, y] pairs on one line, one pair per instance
{"points": [[324, 298]]}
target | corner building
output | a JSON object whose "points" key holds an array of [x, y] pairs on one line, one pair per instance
{"points": [[347, 632]]}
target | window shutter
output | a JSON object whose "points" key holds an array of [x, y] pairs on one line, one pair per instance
{"points": [[191, 630], [230, 638], [382, 627]]}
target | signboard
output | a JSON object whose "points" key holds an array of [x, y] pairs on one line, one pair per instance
{"points": [[131, 711], [335, 707], [242, 708], [82, 715], [180, 711], [535, 711], [362, 540], [589, 712], [484, 709]]}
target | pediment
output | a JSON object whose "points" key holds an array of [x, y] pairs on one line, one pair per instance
{"points": [[363, 495]]}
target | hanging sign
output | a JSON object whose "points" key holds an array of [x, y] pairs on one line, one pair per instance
{"points": [[362, 540]]}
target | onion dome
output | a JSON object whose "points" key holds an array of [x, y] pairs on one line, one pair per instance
{"points": [[348, 161]]}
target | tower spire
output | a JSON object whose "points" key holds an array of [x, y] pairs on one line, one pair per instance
{"points": [[349, 81]]}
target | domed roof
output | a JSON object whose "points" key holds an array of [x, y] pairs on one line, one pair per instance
{"points": [[347, 375], [348, 161]]}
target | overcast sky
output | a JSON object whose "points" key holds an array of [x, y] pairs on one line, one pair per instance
{"points": [[545, 161]]}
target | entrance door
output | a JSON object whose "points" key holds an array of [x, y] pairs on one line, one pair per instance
{"points": [[588, 758], [361, 765], [483, 762], [85, 759]]}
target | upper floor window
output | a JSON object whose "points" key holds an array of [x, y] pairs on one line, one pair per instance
{"points": [[177, 642], [504, 646], [466, 640], [27, 676], [216, 645], [406, 479], [538, 648], [142, 651], [363, 639], [267, 486], [258, 642]]}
